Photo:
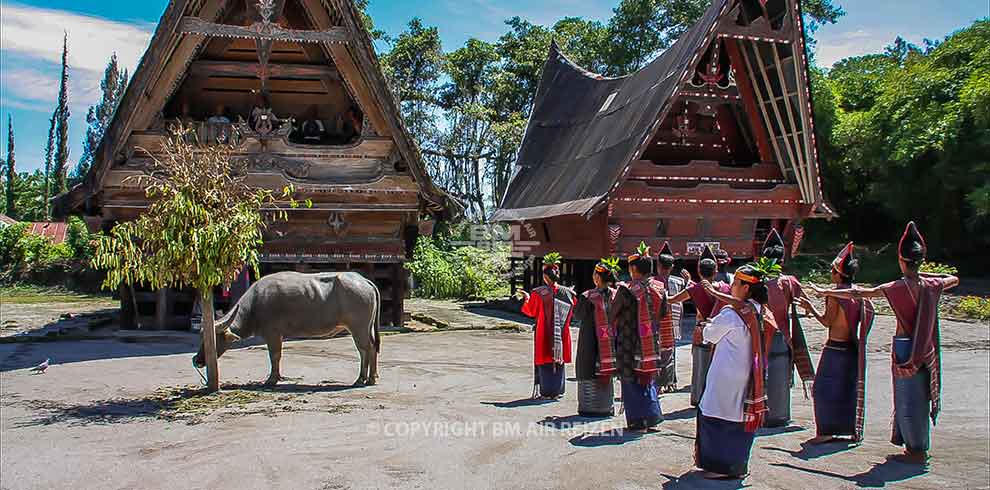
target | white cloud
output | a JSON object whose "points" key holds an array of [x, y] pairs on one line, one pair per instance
{"points": [[834, 47], [37, 33], [31, 41]]}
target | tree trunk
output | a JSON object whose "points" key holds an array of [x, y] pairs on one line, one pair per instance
{"points": [[209, 342]]}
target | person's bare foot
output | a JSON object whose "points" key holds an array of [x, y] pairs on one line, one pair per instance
{"points": [[822, 440], [911, 457]]}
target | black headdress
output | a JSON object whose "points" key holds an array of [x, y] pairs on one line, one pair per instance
{"points": [[773, 247], [912, 247]]}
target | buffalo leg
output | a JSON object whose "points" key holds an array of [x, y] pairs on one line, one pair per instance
{"points": [[363, 353], [275, 357], [373, 366]]}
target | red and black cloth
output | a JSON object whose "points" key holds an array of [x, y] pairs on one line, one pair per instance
{"points": [[552, 307], [596, 338], [640, 316]]}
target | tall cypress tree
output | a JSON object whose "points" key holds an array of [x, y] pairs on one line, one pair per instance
{"points": [[99, 115], [62, 123], [49, 152], [11, 172]]}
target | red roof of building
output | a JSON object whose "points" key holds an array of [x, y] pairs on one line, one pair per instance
{"points": [[53, 230], [7, 220]]}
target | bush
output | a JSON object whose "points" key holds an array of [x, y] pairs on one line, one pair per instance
{"points": [[23, 253], [11, 252], [936, 268], [80, 240], [463, 273], [974, 307]]}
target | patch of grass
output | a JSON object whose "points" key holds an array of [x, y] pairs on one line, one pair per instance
{"points": [[27, 294]]}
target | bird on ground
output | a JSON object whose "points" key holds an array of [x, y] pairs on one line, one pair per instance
{"points": [[40, 368]]}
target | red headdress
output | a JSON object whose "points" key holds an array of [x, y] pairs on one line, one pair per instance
{"points": [[841, 261]]}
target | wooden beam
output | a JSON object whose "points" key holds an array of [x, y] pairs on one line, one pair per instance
{"points": [[247, 68], [747, 92], [800, 166], [260, 31], [763, 107]]}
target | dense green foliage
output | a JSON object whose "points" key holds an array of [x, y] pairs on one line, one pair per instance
{"points": [[62, 114], [910, 139], [99, 116], [23, 252], [203, 226], [461, 272]]}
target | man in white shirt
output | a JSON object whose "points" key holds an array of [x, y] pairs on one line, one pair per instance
{"points": [[733, 404]]}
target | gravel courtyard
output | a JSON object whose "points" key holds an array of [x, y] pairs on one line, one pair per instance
{"points": [[450, 412]]}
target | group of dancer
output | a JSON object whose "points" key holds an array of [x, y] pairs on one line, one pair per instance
{"points": [[746, 344]]}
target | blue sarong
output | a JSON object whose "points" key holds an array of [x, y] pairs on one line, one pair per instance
{"points": [[722, 446], [912, 403], [550, 378], [642, 404], [835, 389]]}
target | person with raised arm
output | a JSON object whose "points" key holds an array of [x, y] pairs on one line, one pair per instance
{"points": [[706, 306], [552, 305], [595, 362], [733, 405], [641, 345], [667, 379], [916, 352], [840, 384], [789, 349]]}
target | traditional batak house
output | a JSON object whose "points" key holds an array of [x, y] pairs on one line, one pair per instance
{"points": [[296, 87], [712, 142]]}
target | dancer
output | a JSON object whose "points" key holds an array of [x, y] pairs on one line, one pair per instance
{"points": [[552, 305], [706, 306], [789, 349], [734, 403], [641, 345], [595, 363], [840, 384], [667, 379], [916, 352]]}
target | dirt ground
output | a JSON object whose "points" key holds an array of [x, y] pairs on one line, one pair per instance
{"points": [[451, 411]]}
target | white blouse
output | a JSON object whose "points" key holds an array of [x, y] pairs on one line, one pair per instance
{"points": [[728, 376]]}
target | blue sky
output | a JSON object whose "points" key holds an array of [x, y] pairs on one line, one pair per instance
{"points": [[31, 40]]}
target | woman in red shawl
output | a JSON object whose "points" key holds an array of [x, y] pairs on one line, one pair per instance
{"points": [[916, 352], [552, 305]]}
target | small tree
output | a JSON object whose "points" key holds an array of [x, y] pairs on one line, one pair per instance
{"points": [[203, 227]]}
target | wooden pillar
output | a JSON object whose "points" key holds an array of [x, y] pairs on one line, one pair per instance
{"points": [[397, 294]]}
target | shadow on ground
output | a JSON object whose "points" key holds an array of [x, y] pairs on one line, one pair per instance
{"points": [[878, 476], [614, 437], [809, 451], [23, 355], [86, 320], [773, 431], [522, 402], [188, 403], [570, 421], [693, 479], [682, 414]]}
